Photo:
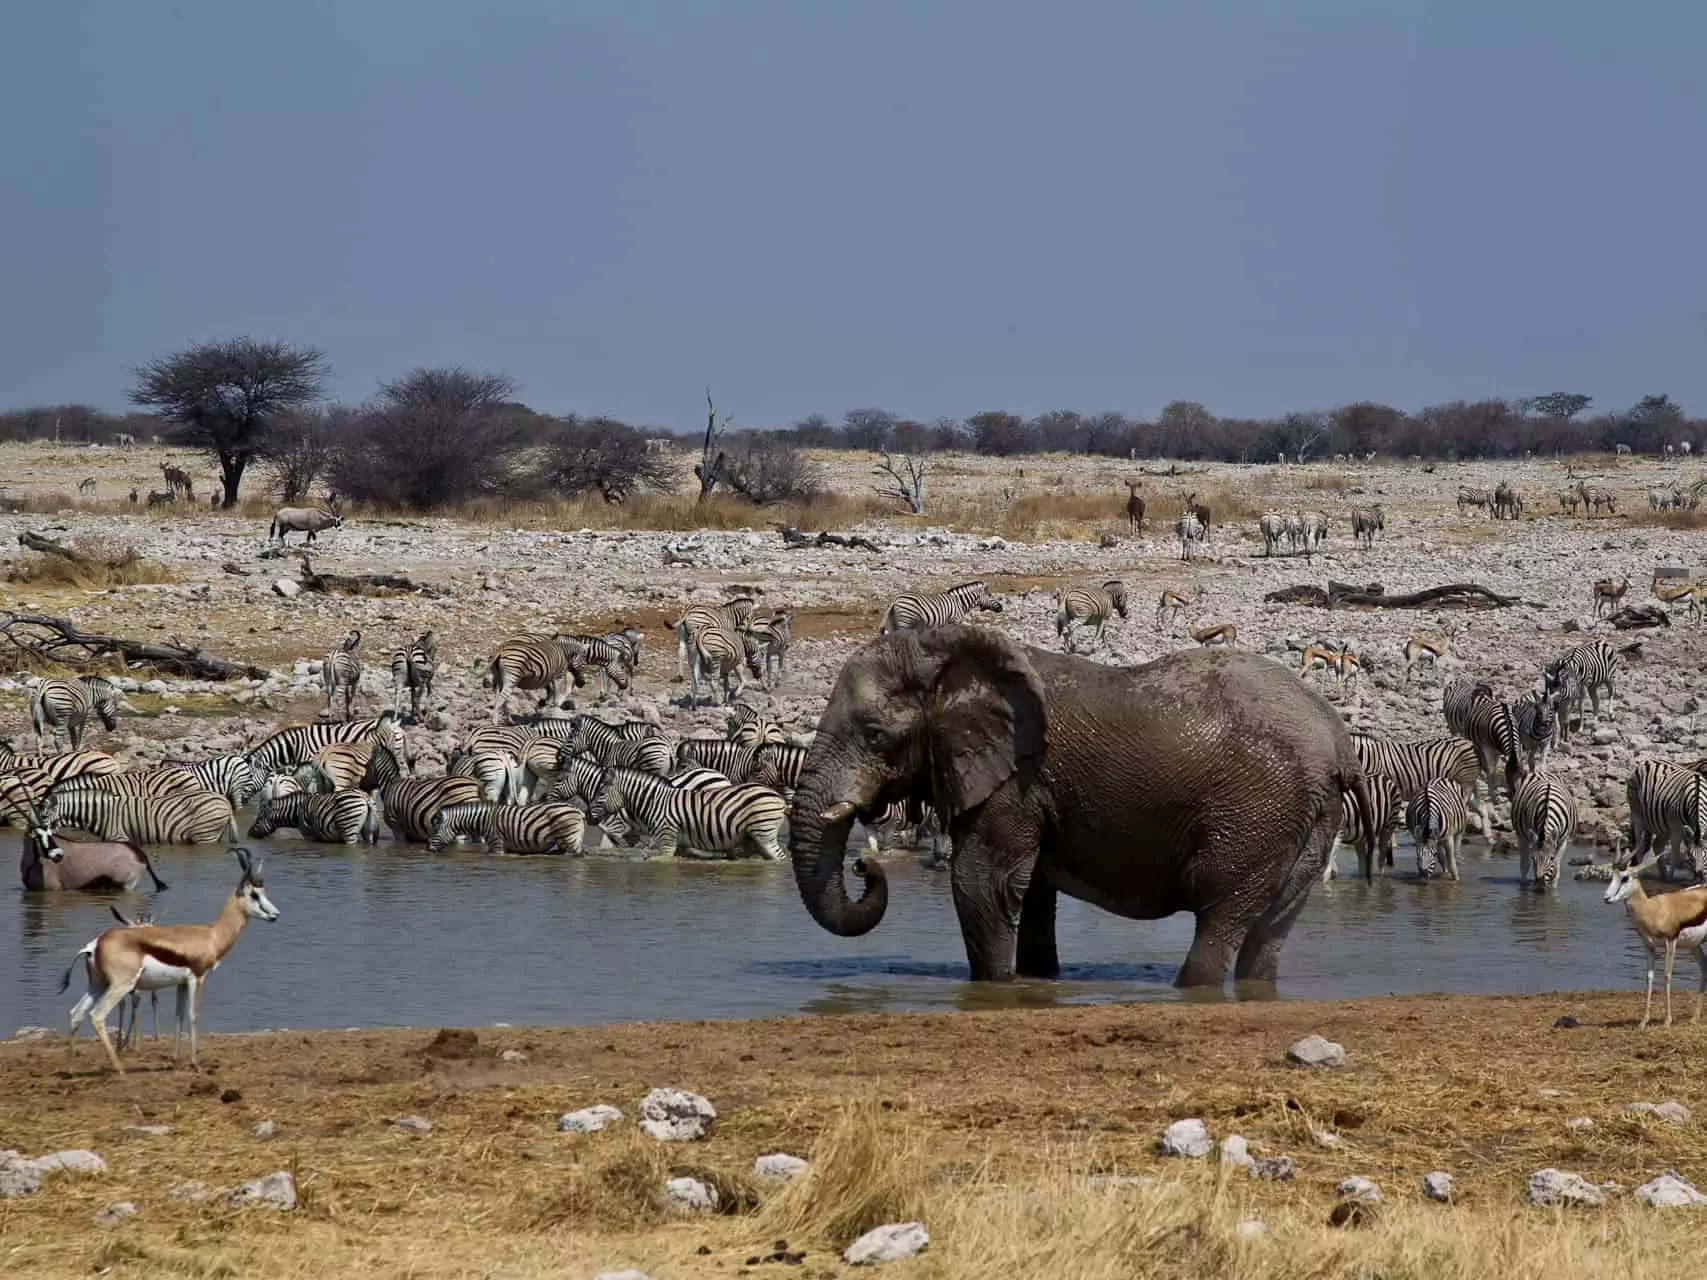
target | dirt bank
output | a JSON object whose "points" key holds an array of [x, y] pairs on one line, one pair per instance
{"points": [[987, 1127]]}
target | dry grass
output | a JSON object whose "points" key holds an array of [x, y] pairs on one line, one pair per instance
{"points": [[1680, 520], [107, 562], [987, 1127]]}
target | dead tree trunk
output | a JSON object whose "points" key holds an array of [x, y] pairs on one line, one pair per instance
{"points": [[709, 468], [58, 640]]}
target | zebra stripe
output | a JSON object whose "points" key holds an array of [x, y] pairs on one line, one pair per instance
{"points": [[343, 817], [771, 635], [297, 744], [510, 828], [1538, 722], [412, 671], [721, 651], [1190, 531], [1596, 665], [599, 738], [712, 821], [1366, 522], [65, 705], [734, 613], [1544, 818], [1455, 700], [535, 662], [1387, 809], [411, 805], [229, 776], [1494, 733], [752, 728], [938, 609], [1468, 497], [1272, 526], [184, 817], [1088, 607], [61, 766], [610, 658], [1668, 805], [342, 669], [1437, 820], [731, 759], [699, 779], [145, 782], [343, 766], [778, 765], [497, 772], [1411, 766]]}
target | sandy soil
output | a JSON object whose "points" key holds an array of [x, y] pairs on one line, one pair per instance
{"points": [[969, 1107]]}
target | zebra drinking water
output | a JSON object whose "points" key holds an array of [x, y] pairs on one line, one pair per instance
{"points": [[1543, 818]]}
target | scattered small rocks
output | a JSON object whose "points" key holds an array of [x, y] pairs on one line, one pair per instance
{"points": [[286, 587], [1438, 1187], [148, 1130], [1273, 1169], [1250, 1229], [690, 1195], [1330, 1140], [780, 1252], [264, 1129], [1554, 1187], [411, 1124], [1236, 1151], [194, 1192], [18, 1177], [275, 1191], [1671, 1112], [1187, 1138], [73, 1161], [1579, 1122], [32, 1033], [778, 1167], [115, 1213], [1360, 1189], [1668, 1191], [515, 1057], [675, 1115], [893, 1242], [588, 1119], [1315, 1051]]}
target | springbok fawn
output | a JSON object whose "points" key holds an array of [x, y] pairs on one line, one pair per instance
{"points": [[1670, 921], [160, 956]]}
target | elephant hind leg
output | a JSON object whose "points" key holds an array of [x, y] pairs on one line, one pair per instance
{"points": [[1037, 957], [1259, 953]]}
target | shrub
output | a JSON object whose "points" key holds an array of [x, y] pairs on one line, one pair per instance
{"points": [[603, 456], [764, 467]]}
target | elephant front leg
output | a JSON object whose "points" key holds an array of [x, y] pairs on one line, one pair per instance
{"points": [[989, 885]]}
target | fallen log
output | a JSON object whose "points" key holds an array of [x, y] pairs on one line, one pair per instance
{"points": [[361, 584], [41, 544], [59, 640], [1636, 616], [795, 540], [1338, 595]]}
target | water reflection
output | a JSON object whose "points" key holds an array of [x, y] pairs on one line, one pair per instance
{"points": [[566, 941]]}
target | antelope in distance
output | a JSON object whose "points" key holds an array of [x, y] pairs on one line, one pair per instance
{"points": [[173, 955], [1215, 633], [1686, 594], [1172, 605], [1134, 509], [1420, 650], [1608, 595]]}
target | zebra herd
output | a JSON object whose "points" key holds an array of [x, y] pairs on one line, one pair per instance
{"points": [[1498, 747]]}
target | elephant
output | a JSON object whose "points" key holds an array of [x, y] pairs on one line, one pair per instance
{"points": [[1205, 781]]}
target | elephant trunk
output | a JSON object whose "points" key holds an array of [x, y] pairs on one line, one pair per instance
{"points": [[818, 844]]}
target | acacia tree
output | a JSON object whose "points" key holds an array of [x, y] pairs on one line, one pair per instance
{"points": [[582, 455], [226, 397]]}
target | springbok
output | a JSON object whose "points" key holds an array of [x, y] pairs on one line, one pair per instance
{"points": [[1172, 605], [1419, 650], [1214, 633], [1607, 594], [160, 956], [1670, 921]]}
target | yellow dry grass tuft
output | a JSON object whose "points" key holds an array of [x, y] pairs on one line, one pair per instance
{"points": [[866, 1170], [103, 562]]}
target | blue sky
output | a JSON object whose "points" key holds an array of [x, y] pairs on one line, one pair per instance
{"points": [[934, 207]]}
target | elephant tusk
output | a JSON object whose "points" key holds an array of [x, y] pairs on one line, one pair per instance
{"points": [[841, 811]]}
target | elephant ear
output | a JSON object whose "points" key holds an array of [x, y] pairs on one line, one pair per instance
{"points": [[985, 714]]}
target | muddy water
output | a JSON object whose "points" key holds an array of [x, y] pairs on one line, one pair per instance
{"points": [[408, 938]]}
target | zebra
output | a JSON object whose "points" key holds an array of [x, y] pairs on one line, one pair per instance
{"points": [[1294, 527], [289, 747], [1668, 803], [698, 779], [64, 706], [1455, 700], [142, 782], [1436, 820], [497, 772], [772, 635], [1412, 765], [734, 613], [182, 817], [342, 669], [1538, 726], [938, 609], [342, 766], [1565, 687], [1569, 501], [712, 821], [535, 752], [720, 650], [612, 659], [510, 828], [1272, 526], [342, 817], [778, 765], [1366, 522], [230, 776], [535, 662], [412, 671], [1190, 531], [600, 738], [752, 728], [411, 805], [1508, 503], [734, 761], [1315, 532], [1593, 498], [1088, 607], [1387, 808], [59, 766], [1493, 730], [1478, 498], [1596, 663], [1544, 818]]}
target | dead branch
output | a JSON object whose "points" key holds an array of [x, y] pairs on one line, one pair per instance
{"points": [[1634, 617], [58, 640], [361, 584], [906, 483], [709, 468], [1337, 595], [798, 541], [44, 545]]}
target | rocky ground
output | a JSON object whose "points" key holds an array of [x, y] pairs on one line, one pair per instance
{"points": [[1463, 1136], [1028, 526]]}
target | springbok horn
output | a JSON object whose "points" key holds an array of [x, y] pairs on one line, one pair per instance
{"points": [[841, 811], [242, 858]]}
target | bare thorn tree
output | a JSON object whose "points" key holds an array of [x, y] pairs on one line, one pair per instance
{"points": [[905, 482], [709, 468]]}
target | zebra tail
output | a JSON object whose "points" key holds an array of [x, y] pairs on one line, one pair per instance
{"points": [[147, 862]]}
